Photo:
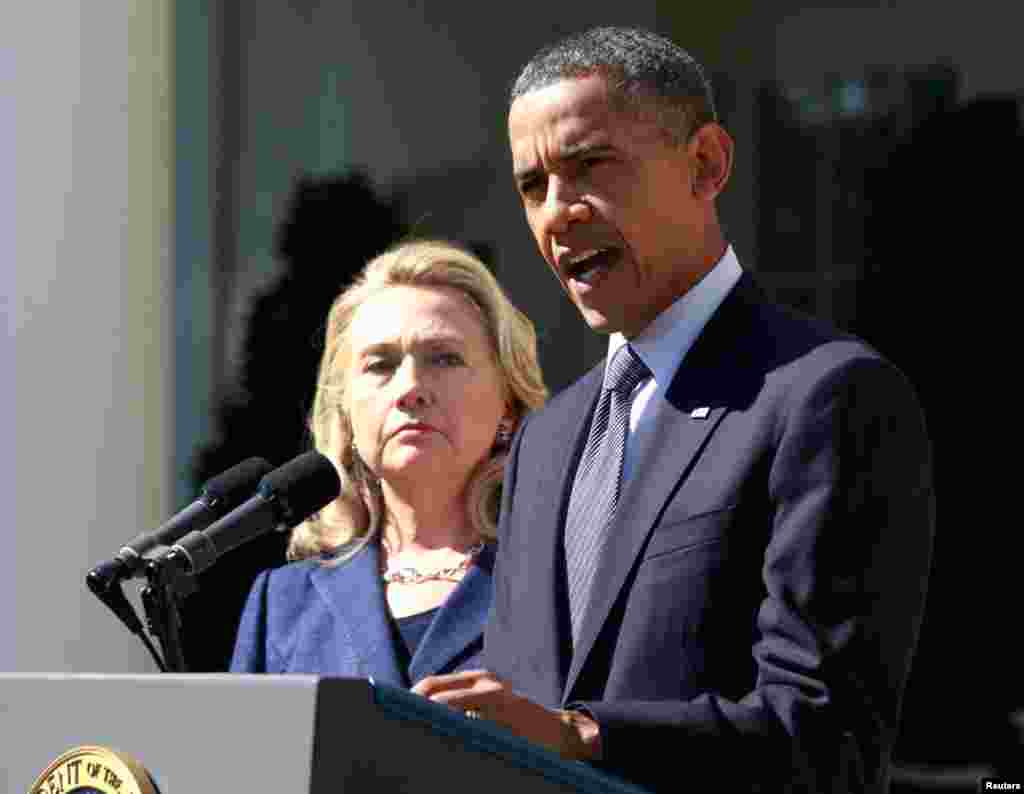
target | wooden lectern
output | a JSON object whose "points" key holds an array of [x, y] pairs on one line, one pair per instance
{"points": [[275, 734]]}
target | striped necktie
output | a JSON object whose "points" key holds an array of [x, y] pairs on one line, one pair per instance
{"points": [[595, 491]]}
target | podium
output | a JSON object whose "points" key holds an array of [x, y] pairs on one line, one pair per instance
{"points": [[275, 734]]}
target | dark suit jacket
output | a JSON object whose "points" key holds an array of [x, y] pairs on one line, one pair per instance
{"points": [[307, 618], [757, 603]]}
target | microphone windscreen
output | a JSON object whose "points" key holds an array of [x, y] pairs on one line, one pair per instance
{"points": [[229, 489], [302, 486]]}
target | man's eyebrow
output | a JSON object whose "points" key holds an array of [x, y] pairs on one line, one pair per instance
{"points": [[567, 153]]}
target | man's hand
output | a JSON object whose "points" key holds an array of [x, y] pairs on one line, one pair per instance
{"points": [[571, 734]]}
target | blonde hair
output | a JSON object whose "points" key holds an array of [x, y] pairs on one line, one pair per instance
{"points": [[355, 518]]}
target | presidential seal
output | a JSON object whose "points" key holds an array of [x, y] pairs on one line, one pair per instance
{"points": [[94, 770]]}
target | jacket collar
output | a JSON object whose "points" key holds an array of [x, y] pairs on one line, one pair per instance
{"points": [[354, 594]]}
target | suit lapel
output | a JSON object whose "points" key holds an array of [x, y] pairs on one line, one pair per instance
{"points": [[353, 593], [535, 543], [459, 622], [714, 378], [681, 438]]}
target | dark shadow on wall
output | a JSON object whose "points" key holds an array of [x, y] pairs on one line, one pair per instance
{"points": [[890, 209], [937, 300], [335, 224]]}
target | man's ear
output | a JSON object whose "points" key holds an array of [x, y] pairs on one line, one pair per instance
{"points": [[711, 155]]}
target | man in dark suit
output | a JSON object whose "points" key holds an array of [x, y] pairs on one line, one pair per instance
{"points": [[718, 569]]}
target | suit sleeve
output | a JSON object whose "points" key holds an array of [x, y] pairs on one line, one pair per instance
{"points": [[843, 586], [250, 654]]}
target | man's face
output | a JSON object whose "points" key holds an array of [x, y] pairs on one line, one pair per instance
{"points": [[610, 201]]}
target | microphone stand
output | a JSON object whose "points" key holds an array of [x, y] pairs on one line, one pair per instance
{"points": [[168, 585], [106, 585]]}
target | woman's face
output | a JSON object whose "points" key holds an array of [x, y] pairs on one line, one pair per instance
{"points": [[425, 396]]}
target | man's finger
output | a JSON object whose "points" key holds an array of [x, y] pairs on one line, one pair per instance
{"points": [[440, 683], [459, 698], [481, 691]]}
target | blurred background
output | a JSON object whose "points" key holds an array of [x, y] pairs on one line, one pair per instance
{"points": [[185, 186]]}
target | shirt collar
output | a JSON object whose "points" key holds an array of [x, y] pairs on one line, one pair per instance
{"points": [[663, 344]]}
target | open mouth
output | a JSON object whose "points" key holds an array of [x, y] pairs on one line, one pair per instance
{"points": [[588, 266]]}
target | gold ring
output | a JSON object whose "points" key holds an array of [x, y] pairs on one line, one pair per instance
{"points": [[473, 714]]}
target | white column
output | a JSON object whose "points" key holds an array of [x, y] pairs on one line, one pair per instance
{"points": [[85, 216]]}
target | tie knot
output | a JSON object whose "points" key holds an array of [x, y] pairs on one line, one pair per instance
{"points": [[625, 371]]}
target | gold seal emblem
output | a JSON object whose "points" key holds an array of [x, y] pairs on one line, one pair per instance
{"points": [[94, 770]]}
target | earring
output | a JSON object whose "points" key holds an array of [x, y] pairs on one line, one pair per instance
{"points": [[503, 437]]}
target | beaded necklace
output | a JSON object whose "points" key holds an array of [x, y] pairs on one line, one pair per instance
{"points": [[410, 575]]}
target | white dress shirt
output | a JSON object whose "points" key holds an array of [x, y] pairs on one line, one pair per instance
{"points": [[663, 345]]}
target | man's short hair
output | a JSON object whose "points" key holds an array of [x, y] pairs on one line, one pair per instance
{"points": [[644, 71]]}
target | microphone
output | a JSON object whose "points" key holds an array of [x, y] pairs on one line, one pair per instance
{"points": [[285, 497], [219, 495]]}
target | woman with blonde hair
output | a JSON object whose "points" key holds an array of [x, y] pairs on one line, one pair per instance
{"points": [[426, 372]]}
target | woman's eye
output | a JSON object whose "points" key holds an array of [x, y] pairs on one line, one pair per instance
{"points": [[378, 366], [448, 359]]}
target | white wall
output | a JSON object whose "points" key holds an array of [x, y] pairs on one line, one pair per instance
{"points": [[85, 208]]}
